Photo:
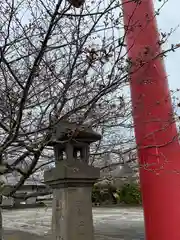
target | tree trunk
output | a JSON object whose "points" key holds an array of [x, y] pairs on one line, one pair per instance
{"points": [[1, 222], [2, 182]]}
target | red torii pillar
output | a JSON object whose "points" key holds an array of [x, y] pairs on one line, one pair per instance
{"points": [[155, 130]]}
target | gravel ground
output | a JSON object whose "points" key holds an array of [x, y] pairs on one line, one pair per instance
{"points": [[109, 223]]}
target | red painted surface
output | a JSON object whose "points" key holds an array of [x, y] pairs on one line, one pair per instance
{"points": [[154, 126]]}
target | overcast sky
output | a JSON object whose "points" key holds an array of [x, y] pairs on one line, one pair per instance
{"points": [[170, 18]]}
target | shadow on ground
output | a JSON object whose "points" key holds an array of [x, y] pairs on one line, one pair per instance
{"points": [[109, 224], [126, 234]]}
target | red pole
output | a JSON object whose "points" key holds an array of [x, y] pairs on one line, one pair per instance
{"points": [[155, 130]]}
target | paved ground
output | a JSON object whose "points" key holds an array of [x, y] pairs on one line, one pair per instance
{"points": [[110, 224]]}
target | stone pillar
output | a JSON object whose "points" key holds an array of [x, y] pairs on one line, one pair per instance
{"points": [[58, 152], [72, 207], [85, 153]]}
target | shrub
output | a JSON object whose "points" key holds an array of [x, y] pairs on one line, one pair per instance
{"points": [[103, 194], [130, 194], [96, 194]]}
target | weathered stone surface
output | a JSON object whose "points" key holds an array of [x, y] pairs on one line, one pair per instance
{"points": [[72, 214], [63, 131], [71, 171], [72, 206], [71, 181]]}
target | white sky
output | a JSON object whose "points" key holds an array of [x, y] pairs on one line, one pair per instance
{"points": [[170, 18]]}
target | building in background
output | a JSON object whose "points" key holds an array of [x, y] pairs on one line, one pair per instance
{"points": [[32, 187], [118, 167]]}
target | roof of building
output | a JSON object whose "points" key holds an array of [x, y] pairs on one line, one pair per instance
{"points": [[13, 179]]}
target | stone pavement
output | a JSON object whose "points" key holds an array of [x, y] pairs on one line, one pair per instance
{"points": [[109, 224], [19, 235]]}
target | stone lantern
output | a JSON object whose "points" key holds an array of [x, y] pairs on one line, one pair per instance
{"points": [[71, 180]]}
